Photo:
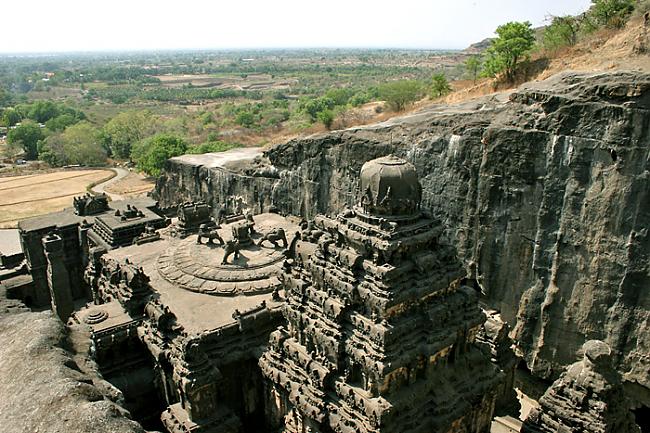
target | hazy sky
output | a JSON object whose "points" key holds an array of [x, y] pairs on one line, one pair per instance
{"points": [[97, 25]]}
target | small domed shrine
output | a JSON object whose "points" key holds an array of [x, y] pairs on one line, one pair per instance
{"points": [[389, 187], [380, 333]]}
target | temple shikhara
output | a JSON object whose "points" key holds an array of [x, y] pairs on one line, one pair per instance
{"points": [[379, 330], [212, 320]]}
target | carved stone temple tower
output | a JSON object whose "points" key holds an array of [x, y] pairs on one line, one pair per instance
{"points": [[380, 331]]}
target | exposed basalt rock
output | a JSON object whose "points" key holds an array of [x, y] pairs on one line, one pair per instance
{"points": [[380, 331], [543, 192], [587, 397], [42, 386]]}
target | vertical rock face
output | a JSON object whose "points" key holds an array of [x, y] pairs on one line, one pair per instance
{"points": [[543, 192], [588, 396], [380, 333], [58, 280]]}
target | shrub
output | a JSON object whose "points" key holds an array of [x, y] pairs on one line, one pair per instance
{"points": [[399, 94], [327, 117], [514, 42], [212, 147], [151, 154], [440, 86]]}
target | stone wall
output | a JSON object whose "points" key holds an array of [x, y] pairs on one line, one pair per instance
{"points": [[543, 191]]}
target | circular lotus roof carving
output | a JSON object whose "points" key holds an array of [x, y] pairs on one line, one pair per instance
{"points": [[199, 268], [95, 317]]}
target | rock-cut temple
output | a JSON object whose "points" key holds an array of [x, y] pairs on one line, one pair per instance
{"points": [[220, 321]]}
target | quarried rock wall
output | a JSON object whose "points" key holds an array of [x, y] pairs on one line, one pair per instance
{"points": [[544, 193]]}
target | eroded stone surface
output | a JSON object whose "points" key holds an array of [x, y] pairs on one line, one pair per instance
{"points": [[588, 397], [379, 332], [542, 191]]}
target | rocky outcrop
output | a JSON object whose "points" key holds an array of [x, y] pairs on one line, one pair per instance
{"points": [[588, 397], [543, 192], [42, 385]]}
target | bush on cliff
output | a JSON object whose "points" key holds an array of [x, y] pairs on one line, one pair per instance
{"points": [[562, 32], [150, 154], [514, 42], [212, 147], [439, 86], [399, 94], [611, 13]]}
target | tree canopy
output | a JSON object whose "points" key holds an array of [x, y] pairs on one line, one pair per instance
{"points": [[440, 86], [399, 94], [513, 43], [150, 154], [27, 135], [611, 13], [10, 117], [126, 129], [563, 31], [78, 144]]}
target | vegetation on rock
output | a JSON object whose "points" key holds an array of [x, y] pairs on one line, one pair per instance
{"points": [[400, 94], [150, 154], [514, 42]]}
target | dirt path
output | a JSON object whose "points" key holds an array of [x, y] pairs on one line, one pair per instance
{"points": [[101, 188]]}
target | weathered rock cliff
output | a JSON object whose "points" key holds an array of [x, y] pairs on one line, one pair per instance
{"points": [[44, 386], [544, 192]]}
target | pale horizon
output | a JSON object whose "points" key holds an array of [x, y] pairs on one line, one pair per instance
{"points": [[73, 26]]}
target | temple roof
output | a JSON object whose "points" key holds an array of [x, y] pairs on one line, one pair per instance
{"points": [[390, 187]]}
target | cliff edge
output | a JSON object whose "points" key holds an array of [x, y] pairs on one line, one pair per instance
{"points": [[543, 191]]}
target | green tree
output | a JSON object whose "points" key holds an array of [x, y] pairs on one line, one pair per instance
{"points": [[327, 117], [10, 117], [513, 44], [59, 123], [611, 13], [314, 106], [27, 135], [150, 154], [399, 94], [473, 67], [440, 86], [5, 98], [562, 32], [78, 144], [42, 111], [126, 129]]}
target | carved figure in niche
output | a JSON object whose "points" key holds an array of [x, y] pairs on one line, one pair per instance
{"points": [[275, 235], [231, 247], [209, 231]]}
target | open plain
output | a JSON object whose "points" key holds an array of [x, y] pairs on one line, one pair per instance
{"points": [[37, 194]]}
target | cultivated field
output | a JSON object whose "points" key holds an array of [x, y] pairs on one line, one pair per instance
{"points": [[37, 194]]}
